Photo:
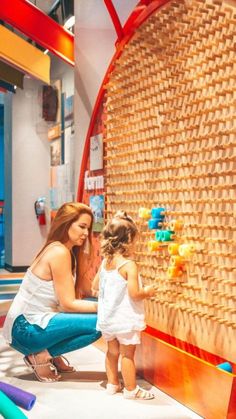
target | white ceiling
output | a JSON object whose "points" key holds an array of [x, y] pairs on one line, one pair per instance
{"points": [[44, 5], [91, 14]]}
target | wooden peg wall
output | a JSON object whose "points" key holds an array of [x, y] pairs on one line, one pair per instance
{"points": [[170, 142]]}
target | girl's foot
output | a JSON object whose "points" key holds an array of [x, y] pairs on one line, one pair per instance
{"points": [[62, 364], [42, 366], [138, 394], [113, 388]]}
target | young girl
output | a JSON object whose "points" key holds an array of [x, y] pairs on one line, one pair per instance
{"points": [[120, 304]]}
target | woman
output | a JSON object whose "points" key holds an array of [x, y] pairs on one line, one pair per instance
{"points": [[48, 317]]}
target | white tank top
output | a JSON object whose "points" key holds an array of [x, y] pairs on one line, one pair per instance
{"points": [[117, 312], [36, 300]]}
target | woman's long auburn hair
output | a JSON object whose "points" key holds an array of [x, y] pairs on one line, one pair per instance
{"points": [[66, 215]]}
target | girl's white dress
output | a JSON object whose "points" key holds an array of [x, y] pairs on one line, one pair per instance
{"points": [[117, 312]]}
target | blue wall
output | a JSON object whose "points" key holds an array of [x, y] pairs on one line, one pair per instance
{"points": [[1, 153]]}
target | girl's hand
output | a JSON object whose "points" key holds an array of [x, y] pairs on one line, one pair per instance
{"points": [[80, 294], [150, 290], [94, 293]]}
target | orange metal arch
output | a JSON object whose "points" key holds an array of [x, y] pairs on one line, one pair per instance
{"points": [[140, 13]]}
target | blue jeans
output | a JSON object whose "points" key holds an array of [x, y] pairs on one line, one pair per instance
{"points": [[65, 332]]}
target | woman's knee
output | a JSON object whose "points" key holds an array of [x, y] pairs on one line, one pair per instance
{"points": [[96, 335], [88, 322], [88, 338]]}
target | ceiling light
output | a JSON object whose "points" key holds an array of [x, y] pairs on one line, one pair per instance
{"points": [[69, 23]]}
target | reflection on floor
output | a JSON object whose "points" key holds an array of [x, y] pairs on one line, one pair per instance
{"points": [[81, 394]]}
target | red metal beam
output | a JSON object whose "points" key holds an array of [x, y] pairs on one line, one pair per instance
{"points": [[28, 19], [115, 19]]}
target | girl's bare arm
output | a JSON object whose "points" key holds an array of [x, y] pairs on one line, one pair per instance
{"points": [[135, 291]]}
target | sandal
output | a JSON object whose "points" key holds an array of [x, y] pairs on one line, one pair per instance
{"points": [[138, 394], [67, 367], [113, 388], [47, 364]]}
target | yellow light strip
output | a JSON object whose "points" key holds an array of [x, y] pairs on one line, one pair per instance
{"points": [[23, 55]]}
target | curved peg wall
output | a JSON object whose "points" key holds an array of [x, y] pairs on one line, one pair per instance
{"points": [[170, 142]]}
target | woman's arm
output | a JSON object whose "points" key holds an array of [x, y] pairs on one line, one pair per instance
{"points": [[60, 265], [134, 289], [83, 283]]}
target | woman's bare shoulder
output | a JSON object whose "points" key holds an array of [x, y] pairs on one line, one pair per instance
{"points": [[57, 249]]}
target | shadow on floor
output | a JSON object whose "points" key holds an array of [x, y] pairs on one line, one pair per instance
{"points": [[83, 376]]}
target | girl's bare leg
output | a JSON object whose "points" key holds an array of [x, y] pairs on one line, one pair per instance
{"points": [[112, 358], [128, 369]]}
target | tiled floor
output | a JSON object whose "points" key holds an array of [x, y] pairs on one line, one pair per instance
{"points": [[81, 394], [5, 273], [9, 285]]}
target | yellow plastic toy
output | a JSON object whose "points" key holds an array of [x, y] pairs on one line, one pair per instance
{"points": [[144, 213], [173, 248], [174, 271], [187, 250], [154, 245], [176, 260], [176, 225]]}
